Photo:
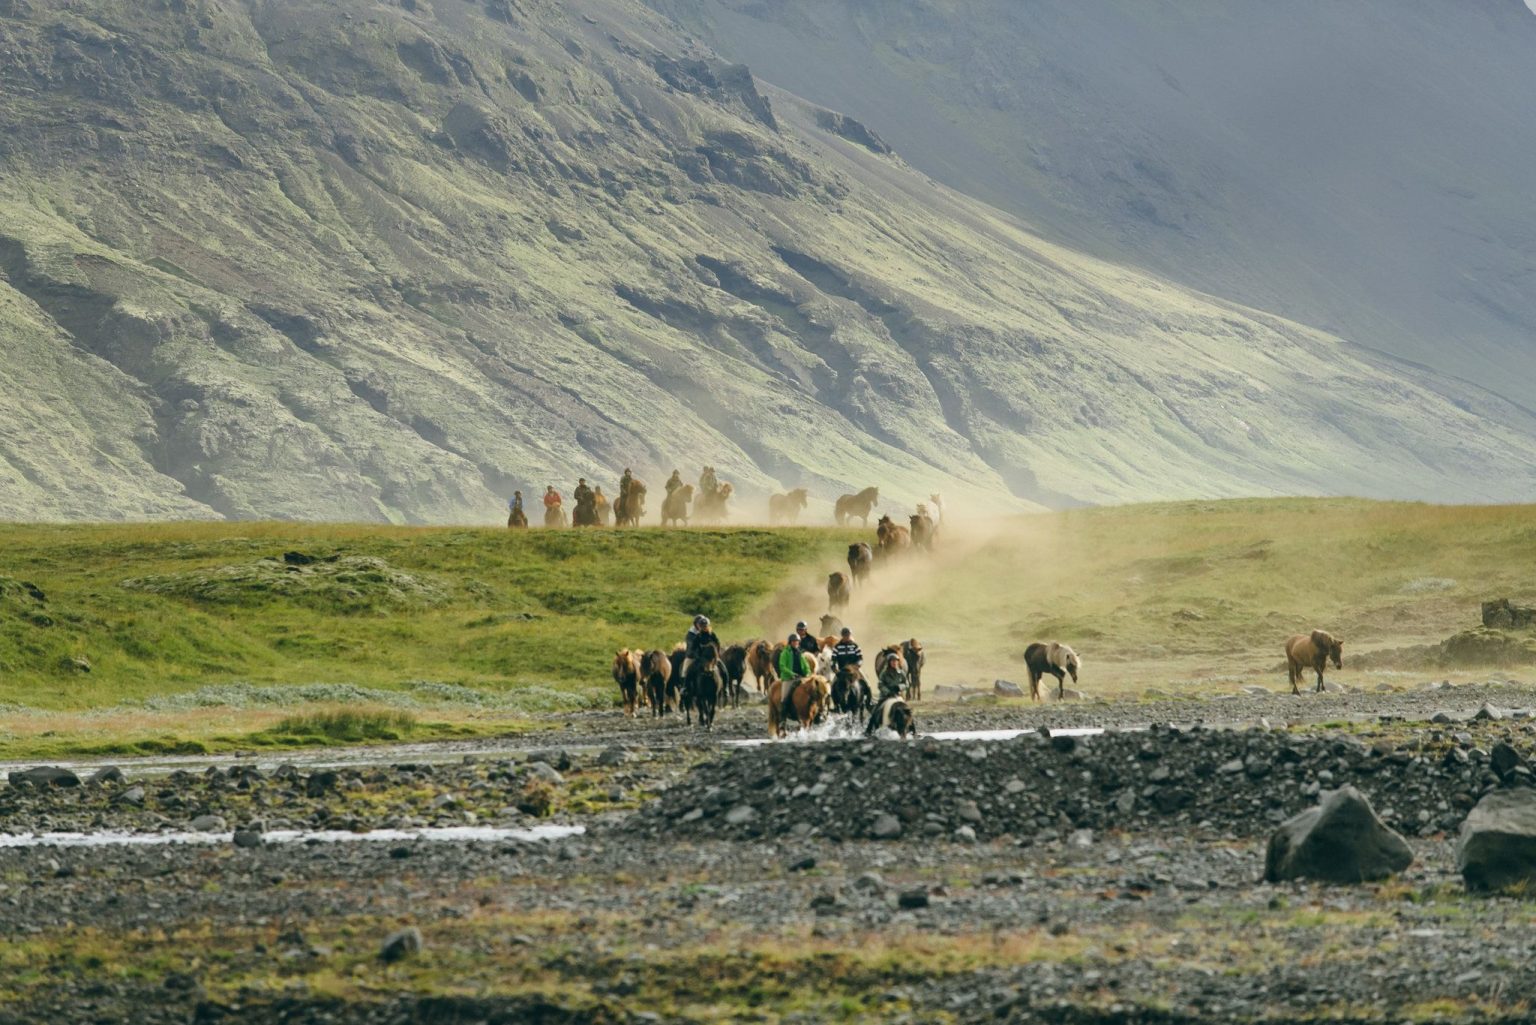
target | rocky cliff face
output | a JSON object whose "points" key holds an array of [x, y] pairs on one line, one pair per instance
{"points": [[344, 259]]}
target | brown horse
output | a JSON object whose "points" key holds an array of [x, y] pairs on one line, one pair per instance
{"points": [[1315, 650], [626, 673], [787, 508], [674, 508], [809, 700], [922, 529], [849, 506], [892, 538], [916, 658], [839, 592], [1053, 658], [517, 519], [886, 654], [629, 507], [761, 657], [860, 557], [656, 673], [734, 659]]}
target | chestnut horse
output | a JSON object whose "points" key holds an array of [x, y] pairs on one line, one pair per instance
{"points": [[916, 658], [762, 657], [1313, 650], [849, 506], [656, 673], [628, 508], [674, 508], [626, 673], [809, 700]]}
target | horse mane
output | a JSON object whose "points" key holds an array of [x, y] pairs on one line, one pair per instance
{"points": [[1061, 656]]}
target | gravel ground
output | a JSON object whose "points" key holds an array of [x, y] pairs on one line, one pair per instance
{"points": [[1074, 902]]}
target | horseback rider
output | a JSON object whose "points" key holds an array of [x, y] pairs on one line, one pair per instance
{"points": [[624, 483], [893, 678], [698, 638], [803, 639], [582, 493], [515, 515], [846, 655], [552, 499], [600, 505], [793, 666], [586, 510], [708, 484], [674, 482]]}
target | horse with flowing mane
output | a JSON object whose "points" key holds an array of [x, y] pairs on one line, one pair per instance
{"points": [[892, 538], [701, 690], [839, 591], [655, 674], [674, 508], [849, 506], [808, 699], [1056, 659], [1313, 651], [786, 509]]}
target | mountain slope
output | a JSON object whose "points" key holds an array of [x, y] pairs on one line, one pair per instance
{"points": [[1362, 167], [338, 259]]}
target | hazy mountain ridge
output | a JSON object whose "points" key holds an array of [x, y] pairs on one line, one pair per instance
{"points": [[1360, 167], [349, 260]]}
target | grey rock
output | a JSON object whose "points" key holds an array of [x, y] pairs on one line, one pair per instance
{"points": [[1504, 759], [913, 899], [740, 815], [249, 838], [1007, 689], [134, 796], [612, 756], [44, 776], [886, 827], [207, 824], [544, 771], [400, 945], [1497, 846], [965, 834], [108, 774], [1442, 718], [968, 811], [321, 782], [558, 758], [872, 882], [1340, 841], [1489, 713]]}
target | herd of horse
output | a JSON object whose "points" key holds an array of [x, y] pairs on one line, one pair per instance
{"points": [[655, 680]]}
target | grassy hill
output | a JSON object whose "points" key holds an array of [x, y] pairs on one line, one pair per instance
{"points": [[1360, 167], [342, 260], [207, 633]]}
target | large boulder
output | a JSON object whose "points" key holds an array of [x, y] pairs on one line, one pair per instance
{"points": [[1497, 848], [1339, 841], [44, 776]]}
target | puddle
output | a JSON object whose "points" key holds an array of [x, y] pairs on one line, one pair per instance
{"points": [[446, 834]]}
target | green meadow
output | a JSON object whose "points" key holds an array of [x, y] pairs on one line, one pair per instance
{"points": [[141, 638]]}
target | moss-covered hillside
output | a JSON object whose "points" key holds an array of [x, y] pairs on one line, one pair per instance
{"points": [[387, 261]]}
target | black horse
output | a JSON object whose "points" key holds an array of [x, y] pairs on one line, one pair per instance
{"points": [[701, 691], [850, 691]]}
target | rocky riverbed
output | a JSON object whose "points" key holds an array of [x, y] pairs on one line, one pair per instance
{"points": [[1108, 878]]}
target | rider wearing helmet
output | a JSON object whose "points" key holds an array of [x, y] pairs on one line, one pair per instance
{"points": [[846, 652], [793, 666], [804, 640], [699, 636], [893, 678]]}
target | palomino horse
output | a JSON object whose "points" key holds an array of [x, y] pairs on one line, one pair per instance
{"points": [[711, 507], [1312, 650], [860, 558], [809, 700], [1053, 658], [706, 679], [839, 591], [626, 673], [916, 659], [892, 714], [629, 507], [674, 508], [655, 674], [858, 505], [787, 508], [554, 516]]}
